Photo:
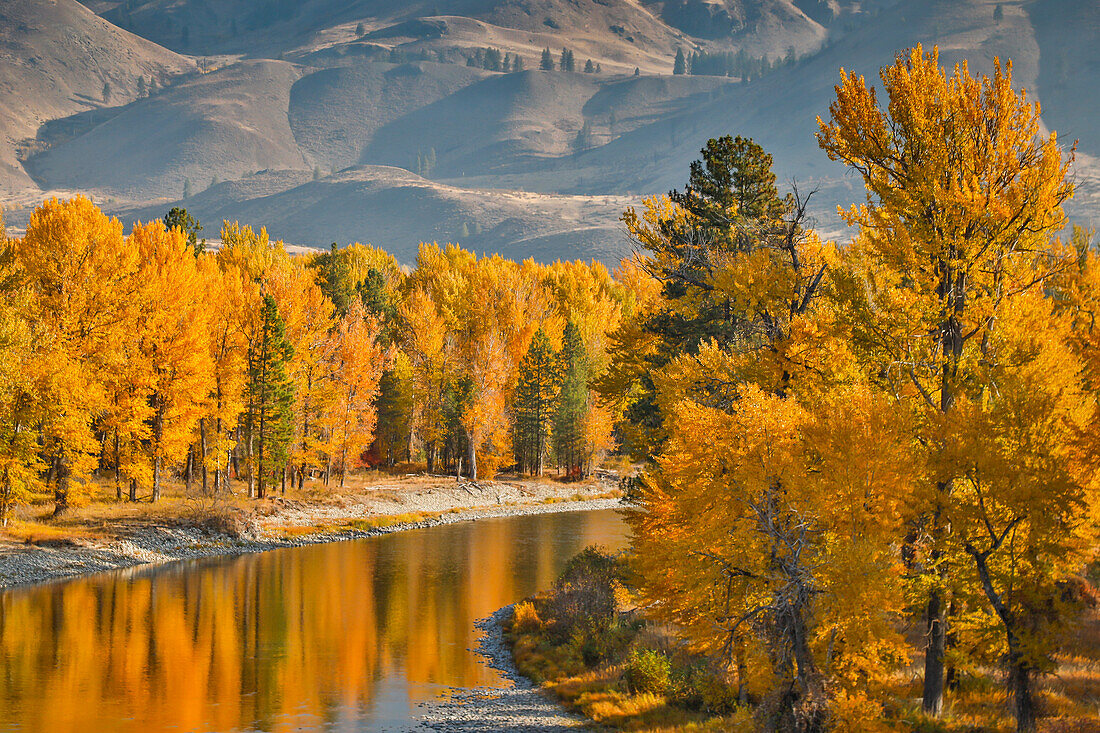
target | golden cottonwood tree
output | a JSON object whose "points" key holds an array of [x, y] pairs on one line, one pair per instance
{"points": [[767, 538], [173, 333], [20, 465], [228, 294], [356, 360], [83, 287], [963, 193]]}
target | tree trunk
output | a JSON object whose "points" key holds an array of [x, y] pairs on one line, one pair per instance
{"points": [[203, 449], [156, 479], [62, 477], [189, 469], [118, 468], [133, 490], [5, 497], [282, 485], [471, 451], [933, 654], [158, 440]]}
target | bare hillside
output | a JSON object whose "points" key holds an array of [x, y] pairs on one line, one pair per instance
{"points": [[224, 125], [57, 58], [393, 122]]}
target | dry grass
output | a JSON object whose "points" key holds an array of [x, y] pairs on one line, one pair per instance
{"points": [[97, 515]]}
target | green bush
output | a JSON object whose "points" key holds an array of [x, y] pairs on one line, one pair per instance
{"points": [[648, 671]]}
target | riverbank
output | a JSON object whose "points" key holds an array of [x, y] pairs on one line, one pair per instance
{"points": [[213, 530], [519, 706]]}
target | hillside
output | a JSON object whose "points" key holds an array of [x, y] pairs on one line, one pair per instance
{"points": [[349, 121], [58, 59]]}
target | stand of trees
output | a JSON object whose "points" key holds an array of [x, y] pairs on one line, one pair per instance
{"points": [[846, 440], [140, 357]]}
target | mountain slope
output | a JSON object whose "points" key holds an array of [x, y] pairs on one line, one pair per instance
{"points": [[224, 124], [57, 58]]}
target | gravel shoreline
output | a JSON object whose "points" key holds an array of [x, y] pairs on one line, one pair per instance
{"points": [[23, 565], [520, 706]]}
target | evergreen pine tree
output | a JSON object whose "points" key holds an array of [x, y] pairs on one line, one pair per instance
{"points": [[563, 62], [178, 218], [517, 63], [589, 67], [547, 63], [334, 278], [535, 403], [572, 408], [679, 66], [269, 416], [187, 192]]}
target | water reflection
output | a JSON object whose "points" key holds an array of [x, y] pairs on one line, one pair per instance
{"points": [[347, 636]]}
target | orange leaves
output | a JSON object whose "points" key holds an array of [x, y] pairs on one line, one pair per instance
{"points": [[355, 361]]}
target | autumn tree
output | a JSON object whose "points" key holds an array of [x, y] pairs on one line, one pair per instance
{"points": [[82, 284], [20, 465], [356, 361], [178, 219], [172, 341], [229, 296], [963, 193], [727, 221]]}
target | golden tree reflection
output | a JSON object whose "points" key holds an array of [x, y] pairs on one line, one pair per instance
{"points": [[276, 641]]}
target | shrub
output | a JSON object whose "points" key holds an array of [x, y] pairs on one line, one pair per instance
{"points": [[584, 596], [648, 671], [699, 685], [525, 618]]}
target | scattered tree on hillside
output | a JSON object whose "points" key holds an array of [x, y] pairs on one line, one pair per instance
{"points": [[187, 191], [999, 13], [585, 137], [567, 61], [589, 67], [360, 30], [679, 65], [547, 62]]}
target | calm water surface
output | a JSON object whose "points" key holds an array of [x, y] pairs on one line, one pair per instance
{"points": [[342, 637]]}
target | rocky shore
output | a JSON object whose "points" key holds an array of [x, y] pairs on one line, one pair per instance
{"points": [[519, 706], [297, 523]]}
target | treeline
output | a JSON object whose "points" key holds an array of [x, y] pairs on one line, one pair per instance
{"points": [[727, 63], [847, 442], [136, 358], [491, 59]]}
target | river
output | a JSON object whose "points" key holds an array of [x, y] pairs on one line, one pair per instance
{"points": [[348, 636]]}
